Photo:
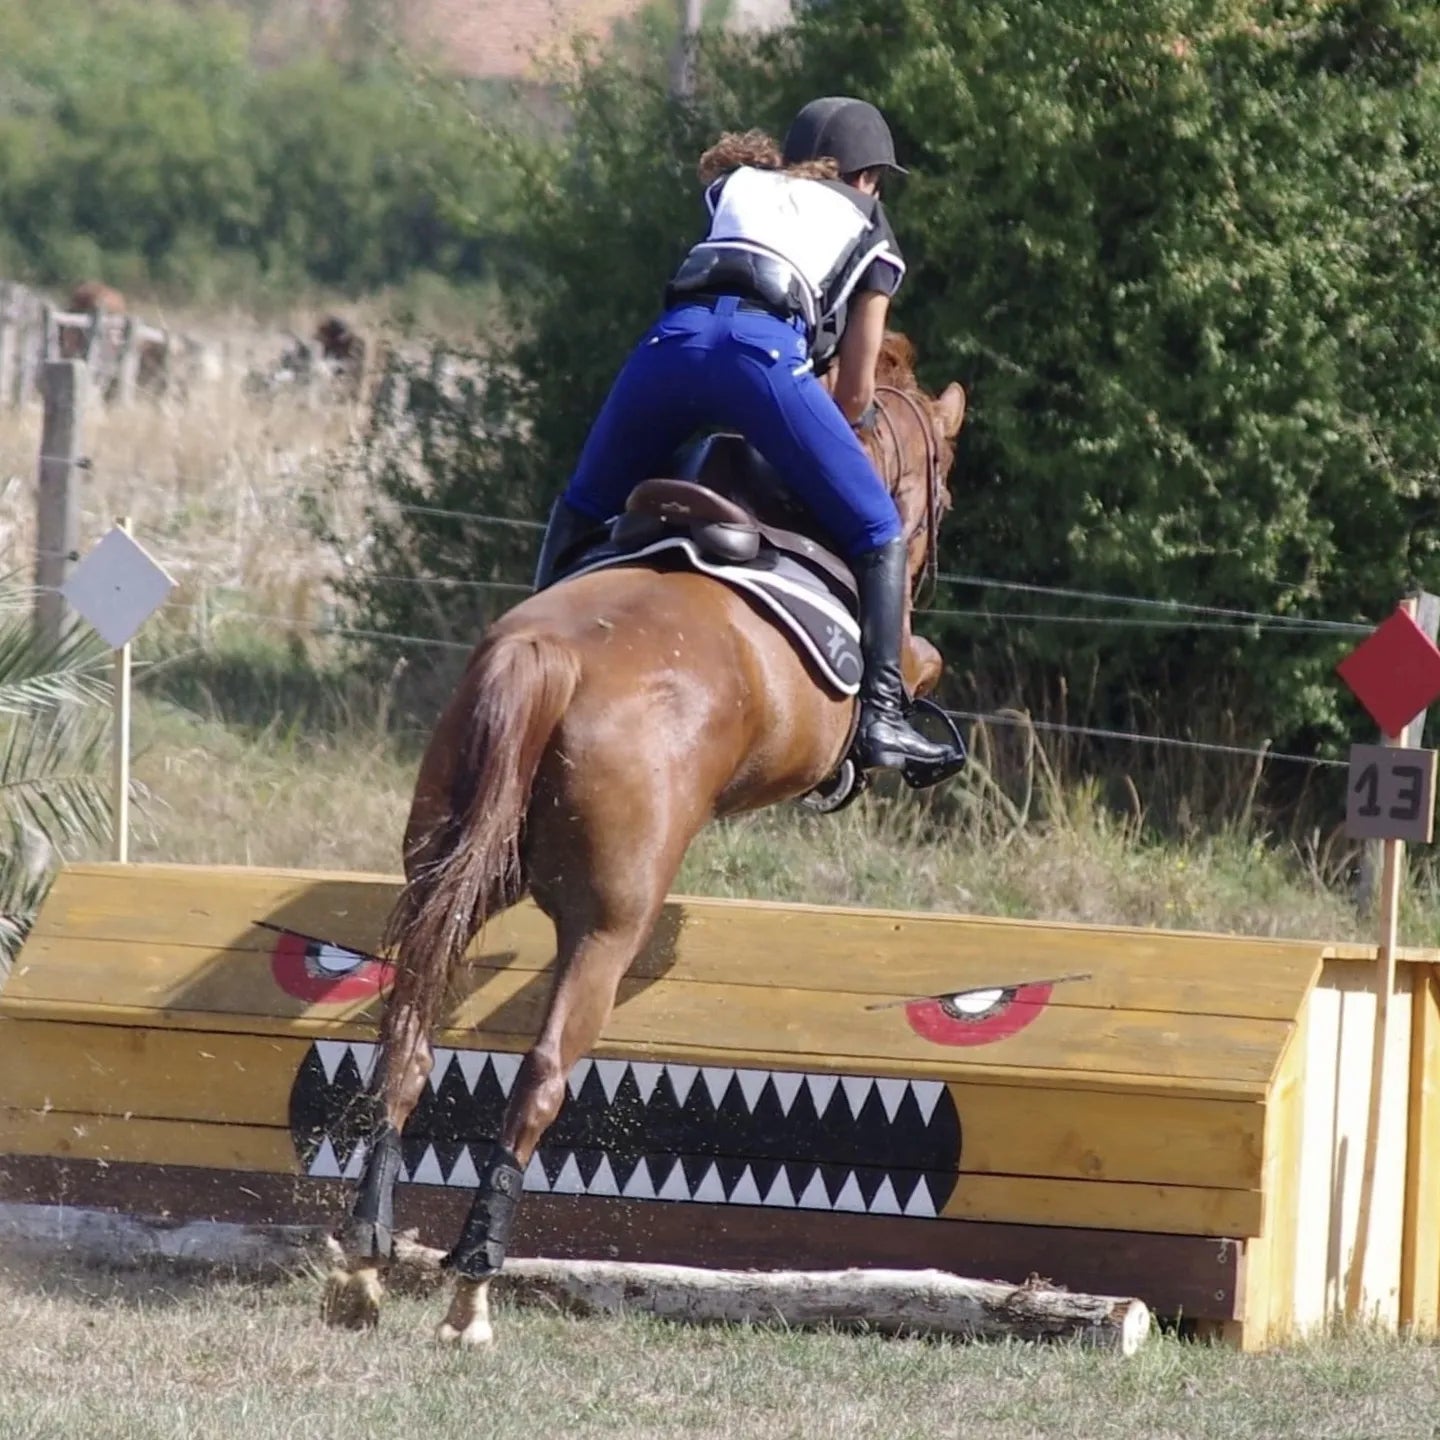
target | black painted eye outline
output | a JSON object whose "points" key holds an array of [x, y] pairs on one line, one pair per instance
{"points": [[978, 1015]]}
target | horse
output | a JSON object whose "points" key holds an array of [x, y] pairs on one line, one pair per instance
{"points": [[598, 726], [94, 299]]}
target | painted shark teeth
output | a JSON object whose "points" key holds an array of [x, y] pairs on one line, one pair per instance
{"points": [[651, 1130], [784, 1085]]}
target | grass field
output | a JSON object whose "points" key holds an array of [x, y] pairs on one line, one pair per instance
{"points": [[154, 1357]]}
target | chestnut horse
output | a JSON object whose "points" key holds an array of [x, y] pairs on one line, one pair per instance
{"points": [[599, 725]]}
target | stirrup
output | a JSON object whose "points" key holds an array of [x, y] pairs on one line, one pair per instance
{"points": [[842, 789], [920, 776]]}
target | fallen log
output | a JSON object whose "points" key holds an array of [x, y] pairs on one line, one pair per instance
{"points": [[118, 1241], [901, 1302], [897, 1302]]}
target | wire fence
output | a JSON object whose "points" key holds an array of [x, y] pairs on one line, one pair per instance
{"points": [[1154, 613], [1260, 752]]}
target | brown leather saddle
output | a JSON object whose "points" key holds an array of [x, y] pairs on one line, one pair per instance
{"points": [[730, 502]]}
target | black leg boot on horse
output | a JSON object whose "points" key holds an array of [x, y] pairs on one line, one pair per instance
{"points": [[886, 739], [480, 1252], [356, 1286]]}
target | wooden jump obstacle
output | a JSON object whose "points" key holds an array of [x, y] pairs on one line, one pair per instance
{"points": [[1176, 1117]]}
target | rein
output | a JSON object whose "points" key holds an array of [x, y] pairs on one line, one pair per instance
{"points": [[927, 580]]}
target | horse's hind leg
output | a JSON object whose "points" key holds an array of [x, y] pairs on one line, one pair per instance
{"points": [[354, 1290], [589, 966]]}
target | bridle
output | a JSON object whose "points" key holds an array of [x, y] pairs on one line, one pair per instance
{"points": [[926, 580]]}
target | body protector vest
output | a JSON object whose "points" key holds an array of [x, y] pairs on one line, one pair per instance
{"points": [[799, 247]]}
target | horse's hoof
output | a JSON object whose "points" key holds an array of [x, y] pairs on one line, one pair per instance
{"points": [[352, 1299], [478, 1335], [467, 1322]]}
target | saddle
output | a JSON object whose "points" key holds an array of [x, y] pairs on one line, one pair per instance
{"points": [[721, 487]]}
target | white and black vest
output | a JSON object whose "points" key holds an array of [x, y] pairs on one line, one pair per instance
{"points": [[805, 245]]}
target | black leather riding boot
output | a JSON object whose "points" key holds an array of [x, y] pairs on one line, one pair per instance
{"points": [[886, 739], [567, 528]]}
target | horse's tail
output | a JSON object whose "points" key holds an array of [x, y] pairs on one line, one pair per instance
{"points": [[472, 867]]}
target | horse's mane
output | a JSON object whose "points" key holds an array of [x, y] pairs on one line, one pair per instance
{"points": [[896, 365]]}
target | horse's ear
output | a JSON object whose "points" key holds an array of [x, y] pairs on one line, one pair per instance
{"points": [[950, 407]]}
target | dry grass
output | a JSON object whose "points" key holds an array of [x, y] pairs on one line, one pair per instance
{"points": [[151, 1356], [249, 754], [213, 488]]}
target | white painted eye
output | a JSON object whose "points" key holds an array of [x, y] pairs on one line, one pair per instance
{"points": [[976, 1002], [332, 960]]}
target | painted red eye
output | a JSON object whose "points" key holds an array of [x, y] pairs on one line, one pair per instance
{"points": [[978, 1017], [314, 971]]}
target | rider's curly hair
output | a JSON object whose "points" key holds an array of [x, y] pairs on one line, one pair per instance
{"points": [[758, 150]]}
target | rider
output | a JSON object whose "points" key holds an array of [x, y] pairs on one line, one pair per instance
{"points": [[794, 276]]}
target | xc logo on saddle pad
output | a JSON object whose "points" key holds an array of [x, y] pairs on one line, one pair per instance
{"points": [[656, 1131]]}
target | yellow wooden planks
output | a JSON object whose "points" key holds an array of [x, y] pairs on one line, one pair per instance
{"points": [[1420, 1258], [1018, 1200], [1339, 1034], [1266, 1302], [115, 981], [227, 1079], [877, 953], [256, 1149], [241, 1079], [1162, 1209]]}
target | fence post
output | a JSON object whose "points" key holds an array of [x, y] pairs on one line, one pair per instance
{"points": [[128, 366], [34, 327], [94, 335], [57, 507], [7, 344], [1367, 879]]}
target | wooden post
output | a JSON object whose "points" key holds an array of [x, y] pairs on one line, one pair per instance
{"points": [[93, 337], [121, 746], [57, 506], [128, 365], [1420, 1237], [8, 332], [1427, 617], [682, 59], [1392, 869], [34, 328]]}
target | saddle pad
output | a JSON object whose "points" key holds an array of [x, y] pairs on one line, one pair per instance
{"points": [[820, 624]]}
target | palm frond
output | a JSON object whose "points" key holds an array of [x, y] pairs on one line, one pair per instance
{"points": [[52, 753], [35, 674], [49, 774], [26, 864]]}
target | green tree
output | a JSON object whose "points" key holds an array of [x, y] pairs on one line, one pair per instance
{"points": [[1181, 253], [139, 139]]}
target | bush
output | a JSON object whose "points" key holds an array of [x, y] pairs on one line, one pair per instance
{"points": [[1181, 254], [139, 136]]}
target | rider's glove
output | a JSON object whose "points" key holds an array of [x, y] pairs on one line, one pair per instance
{"points": [[868, 418]]}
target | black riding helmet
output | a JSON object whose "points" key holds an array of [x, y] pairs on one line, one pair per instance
{"points": [[851, 132]]}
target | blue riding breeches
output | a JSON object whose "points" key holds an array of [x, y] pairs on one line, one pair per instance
{"points": [[737, 370]]}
